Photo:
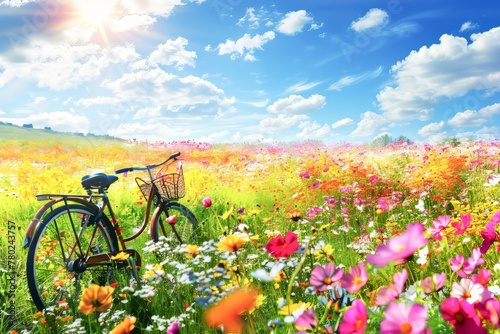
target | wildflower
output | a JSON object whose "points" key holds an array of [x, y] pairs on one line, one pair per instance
{"points": [[394, 290], [355, 319], [463, 225], [404, 318], [355, 279], [121, 256], [207, 202], [295, 214], [174, 328], [462, 316], [467, 290], [438, 225], [293, 311], [171, 219], [274, 323], [307, 320], [399, 248], [263, 275], [482, 277], [125, 326], [325, 251], [279, 247], [433, 283], [96, 298], [231, 243], [192, 251], [227, 312], [228, 213], [489, 237], [339, 296], [155, 273], [326, 277], [490, 310]]}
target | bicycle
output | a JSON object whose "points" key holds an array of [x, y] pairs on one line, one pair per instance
{"points": [[73, 243]]}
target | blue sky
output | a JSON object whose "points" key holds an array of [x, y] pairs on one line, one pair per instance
{"points": [[227, 71]]}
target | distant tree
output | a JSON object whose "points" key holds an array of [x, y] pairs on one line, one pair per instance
{"points": [[403, 139], [452, 141], [381, 141], [47, 128], [29, 126]]}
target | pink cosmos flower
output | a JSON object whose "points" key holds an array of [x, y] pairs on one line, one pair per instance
{"points": [[399, 248], [355, 319], [457, 265], [404, 318], [394, 290], [438, 225], [463, 225], [475, 260], [173, 329], [433, 283], [467, 290], [462, 316], [490, 310], [482, 277], [307, 320], [355, 279], [326, 277]]}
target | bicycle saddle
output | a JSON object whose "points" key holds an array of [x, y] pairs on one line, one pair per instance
{"points": [[98, 181]]}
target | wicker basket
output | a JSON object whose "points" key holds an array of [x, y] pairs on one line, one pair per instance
{"points": [[170, 185]]}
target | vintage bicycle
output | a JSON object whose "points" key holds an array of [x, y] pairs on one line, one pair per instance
{"points": [[75, 240]]}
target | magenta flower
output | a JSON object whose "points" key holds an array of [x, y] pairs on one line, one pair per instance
{"points": [[306, 321], [399, 248], [438, 225], [355, 319], [462, 316], [433, 283], [207, 202], [173, 329], [279, 247], [475, 260], [489, 237], [355, 279], [394, 290], [463, 225], [457, 265], [490, 310], [404, 318], [326, 277]]}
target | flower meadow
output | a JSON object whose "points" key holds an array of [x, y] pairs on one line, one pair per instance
{"points": [[295, 238]]}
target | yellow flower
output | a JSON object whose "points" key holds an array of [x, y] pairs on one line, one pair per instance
{"points": [[267, 220], [289, 309], [228, 213], [96, 298], [326, 251], [192, 251], [122, 256], [125, 326], [258, 303], [231, 243], [154, 273]]}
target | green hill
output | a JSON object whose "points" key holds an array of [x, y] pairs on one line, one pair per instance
{"points": [[24, 134]]}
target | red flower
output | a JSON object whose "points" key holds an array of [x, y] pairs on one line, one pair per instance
{"points": [[279, 247]]}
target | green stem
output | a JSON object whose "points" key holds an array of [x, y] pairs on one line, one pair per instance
{"points": [[294, 275]]}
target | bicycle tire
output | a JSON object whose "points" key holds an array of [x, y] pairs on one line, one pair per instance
{"points": [[57, 243], [185, 229]]}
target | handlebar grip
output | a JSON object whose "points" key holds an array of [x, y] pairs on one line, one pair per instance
{"points": [[175, 155], [124, 170]]}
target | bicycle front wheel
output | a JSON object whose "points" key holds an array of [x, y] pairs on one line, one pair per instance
{"points": [[175, 222], [56, 266]]}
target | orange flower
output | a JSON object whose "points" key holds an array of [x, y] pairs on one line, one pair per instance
{"points": [[96, 298], [125, 326], [231, 243], [228, 311]]}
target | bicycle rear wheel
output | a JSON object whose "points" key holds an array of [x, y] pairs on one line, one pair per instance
{"points": [[56, 267], [183, 231]]}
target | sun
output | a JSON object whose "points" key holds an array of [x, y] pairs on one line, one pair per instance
{"points": [[94, 13]]}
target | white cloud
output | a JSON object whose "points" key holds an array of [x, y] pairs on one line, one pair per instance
{"points": [[313, 130], [153, 7], [245, 44], [250, 17], [213, 137], [431, 129], [2, 112], [446, 70], [171, 53], [40, 99], [152, 130], [87, 102], [468, 26], [297, 104], [281, 122], [469, 118], [62, 121], [342, 122], [293, 22], [132, 22], [15, 3], [369, 124], [351, 80], [374, 18], [152, 112], [302, 86], [157, 87]]}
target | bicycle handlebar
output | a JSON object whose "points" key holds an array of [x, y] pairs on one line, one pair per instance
{"points": [[130, 169]]}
